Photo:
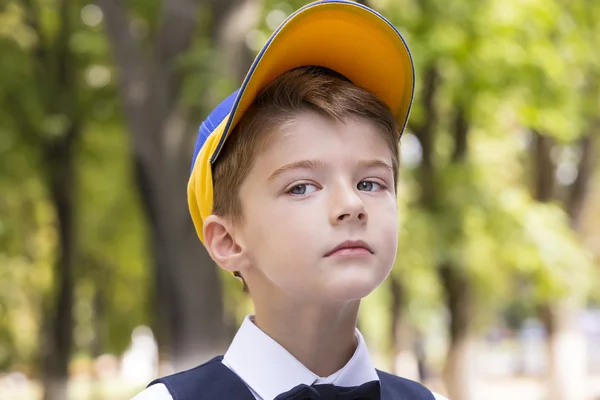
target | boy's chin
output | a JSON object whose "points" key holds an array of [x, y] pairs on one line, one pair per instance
{"points": [[353, 287]]}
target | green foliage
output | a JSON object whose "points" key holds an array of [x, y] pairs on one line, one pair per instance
{"points": [[112, 243], [111, 255], [511, 65]]}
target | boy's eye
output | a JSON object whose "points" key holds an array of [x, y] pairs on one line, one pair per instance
{"points": [[302, 189], [368, 186]]}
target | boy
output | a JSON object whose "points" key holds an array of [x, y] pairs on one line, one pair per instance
{"points": [[293, 190]]}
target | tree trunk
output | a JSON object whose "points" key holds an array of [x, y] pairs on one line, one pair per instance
{"points": [[544, 167], [426, 133], [457, 371], [56, 87], [57, 335], [188, 291], [188, 296], [580, 189], [565, 353], [99, 308], [459, 298], [403, 360], [458, 289], [565, 349], [566, 342]]}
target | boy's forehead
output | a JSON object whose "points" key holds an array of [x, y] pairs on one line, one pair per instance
{"points": [[314, 136]]}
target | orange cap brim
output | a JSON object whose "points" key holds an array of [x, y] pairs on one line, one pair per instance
{"points": [[341, 35]]}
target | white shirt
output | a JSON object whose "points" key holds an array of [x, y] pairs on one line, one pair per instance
{"points": [[268, 369]]}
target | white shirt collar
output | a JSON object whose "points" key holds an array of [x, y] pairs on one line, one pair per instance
{"points": [[269, 369]]}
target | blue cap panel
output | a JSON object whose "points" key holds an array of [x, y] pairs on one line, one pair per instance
{"points": [[211, 122]]}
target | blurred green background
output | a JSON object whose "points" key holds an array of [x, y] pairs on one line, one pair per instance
{"points": [[104, 285]]}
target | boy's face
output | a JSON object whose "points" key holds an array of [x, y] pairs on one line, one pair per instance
{"points": [[317, 185]]}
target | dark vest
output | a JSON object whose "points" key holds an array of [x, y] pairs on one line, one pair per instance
{"points": [[214, 381]]}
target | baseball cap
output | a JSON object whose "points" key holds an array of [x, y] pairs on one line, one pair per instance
{"points": [[344, 36]]}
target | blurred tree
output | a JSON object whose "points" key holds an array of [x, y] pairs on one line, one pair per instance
{"points": [[153, 74], [560, 314], [565, 126], [50, 117], [480, 75], [62, 237], [114, 284]]}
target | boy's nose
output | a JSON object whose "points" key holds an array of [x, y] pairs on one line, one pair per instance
{"points": [[346, 206]]}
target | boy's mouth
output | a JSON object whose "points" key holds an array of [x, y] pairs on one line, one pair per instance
{"points": [[350, 247]]}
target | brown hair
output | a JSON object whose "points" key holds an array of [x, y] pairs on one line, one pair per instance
{"points": [[310, 88]]}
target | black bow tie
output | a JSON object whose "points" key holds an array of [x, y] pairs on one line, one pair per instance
{"points": [[368, 391]]}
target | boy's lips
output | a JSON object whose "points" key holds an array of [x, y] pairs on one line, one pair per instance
{"points": [[350, 247]]}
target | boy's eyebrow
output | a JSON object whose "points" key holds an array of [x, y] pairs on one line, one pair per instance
{"points": [[302, 164], [375, 164]]}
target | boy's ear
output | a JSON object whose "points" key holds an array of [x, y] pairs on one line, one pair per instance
{"points": [[221, 244]]}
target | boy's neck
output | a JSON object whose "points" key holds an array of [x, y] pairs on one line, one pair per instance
{"points": [[322, 338]]}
